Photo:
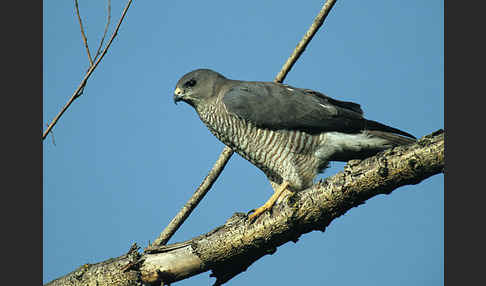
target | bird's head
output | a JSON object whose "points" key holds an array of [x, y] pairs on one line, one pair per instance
{"points": [[197, 86]]}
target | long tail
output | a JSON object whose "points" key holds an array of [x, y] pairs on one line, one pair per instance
{"points": [[395, 136], [394, 139]]}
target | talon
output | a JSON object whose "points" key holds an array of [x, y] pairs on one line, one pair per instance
{"points": [[256, 213], [269, 204]]}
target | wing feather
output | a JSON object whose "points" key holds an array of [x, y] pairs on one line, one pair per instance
{"points": [[278, 106]]}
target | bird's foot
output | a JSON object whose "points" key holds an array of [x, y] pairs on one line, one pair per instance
{"points": [[255, 213], [268, 205]]}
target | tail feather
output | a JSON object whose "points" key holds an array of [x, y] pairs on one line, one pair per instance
{"points": [[386, 130], [344, 147], [393, 138]]}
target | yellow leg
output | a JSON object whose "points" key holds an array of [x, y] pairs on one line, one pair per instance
{"points": [[271, 201]]}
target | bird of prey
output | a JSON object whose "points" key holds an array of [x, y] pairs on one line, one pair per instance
{"points": [[289, 133]]}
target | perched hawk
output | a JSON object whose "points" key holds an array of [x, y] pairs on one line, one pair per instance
{"points": [[289, 133]]}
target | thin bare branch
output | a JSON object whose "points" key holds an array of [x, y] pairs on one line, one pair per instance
{"points": [[106, 30], [88, 74], [305, 40], [195, 199], [83, 35], [52, 136], [177, 221]]}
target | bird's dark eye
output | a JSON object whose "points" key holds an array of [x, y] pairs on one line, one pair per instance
{"points": [[190, 83]]}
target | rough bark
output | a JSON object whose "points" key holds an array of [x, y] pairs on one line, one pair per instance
{"points": [[229, 249], [109, 272]]}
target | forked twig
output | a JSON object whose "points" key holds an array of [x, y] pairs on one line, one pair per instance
{"points": [[106, 30], [88, 74], [213, 175], [83, 35]]}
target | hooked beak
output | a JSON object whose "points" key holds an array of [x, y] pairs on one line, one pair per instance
{"points": [[178, 95]]}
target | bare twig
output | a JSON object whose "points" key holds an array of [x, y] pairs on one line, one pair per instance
{"points": [[305, 40], [52, 136], [88, 74], [176, 222], [106, 30], [195, 199], [83, 35]]}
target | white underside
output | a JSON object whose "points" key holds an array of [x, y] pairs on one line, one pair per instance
{"points": [[335, 142]]}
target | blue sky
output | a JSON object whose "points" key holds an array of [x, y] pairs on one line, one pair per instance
{"points": [[126, 158]]}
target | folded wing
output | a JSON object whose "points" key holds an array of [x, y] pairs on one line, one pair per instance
{"points": [[278, 106]]}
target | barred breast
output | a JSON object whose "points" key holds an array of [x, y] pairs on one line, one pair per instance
{"points": [[280, 154]]}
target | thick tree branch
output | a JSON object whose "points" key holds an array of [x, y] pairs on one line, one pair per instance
{"points": [[229, 249], [109, 272]]}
